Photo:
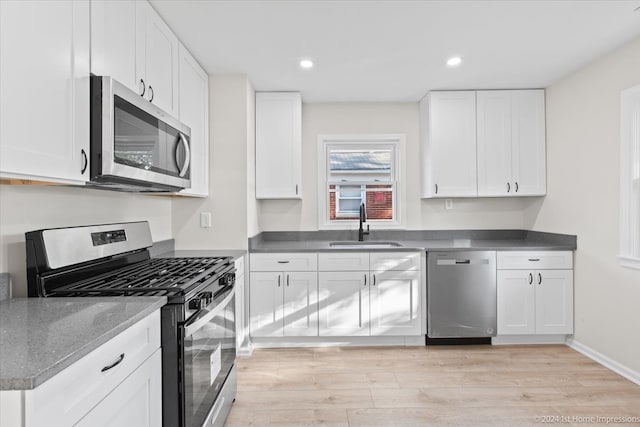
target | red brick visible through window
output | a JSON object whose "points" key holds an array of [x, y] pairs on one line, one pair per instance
{"points": [[379, 205]]}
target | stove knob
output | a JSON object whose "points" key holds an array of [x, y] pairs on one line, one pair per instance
{"points": [[207, 296], [196, 304]]}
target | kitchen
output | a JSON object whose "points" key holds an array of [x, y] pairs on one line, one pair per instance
{"points": [[582, 132]]}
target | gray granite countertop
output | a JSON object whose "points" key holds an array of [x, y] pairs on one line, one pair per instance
{"points": [[418, 240], [39, 337]]}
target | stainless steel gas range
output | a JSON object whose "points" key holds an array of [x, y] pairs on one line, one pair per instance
{"points": [[198, 322]]}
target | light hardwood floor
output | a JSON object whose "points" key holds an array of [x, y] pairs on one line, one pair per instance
{"points": [[429, 386]]}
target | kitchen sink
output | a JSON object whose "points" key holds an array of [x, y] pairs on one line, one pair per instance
{"points": [[366, 244]]}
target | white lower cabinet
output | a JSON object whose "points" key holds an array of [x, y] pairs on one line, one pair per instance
{"points": [[343, 303], [117, 384], [136, 402], [283, 304], [535, 301], [394, 303], [380, 302]]}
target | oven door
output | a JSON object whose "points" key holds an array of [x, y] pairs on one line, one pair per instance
{"points": [[209, 356]]}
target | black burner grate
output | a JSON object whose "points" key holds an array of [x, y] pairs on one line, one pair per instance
{"points": [[154, 277]]}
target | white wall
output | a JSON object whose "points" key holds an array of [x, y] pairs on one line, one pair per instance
{"points": [[230, 105], [253, 208], [583, 174], [26, 208], [381, 118]]}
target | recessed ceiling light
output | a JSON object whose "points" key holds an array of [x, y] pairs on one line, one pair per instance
{"points": [[454, 61], [306, 64]]}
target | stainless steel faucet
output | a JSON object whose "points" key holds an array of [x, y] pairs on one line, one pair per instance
{"points": [[363, 219]]}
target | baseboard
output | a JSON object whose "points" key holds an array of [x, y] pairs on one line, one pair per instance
{"points": [[528, 339], [288, 342], [605, 361]]}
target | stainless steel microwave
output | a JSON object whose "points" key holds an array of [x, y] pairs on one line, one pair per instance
{"points": [[135, 146]]}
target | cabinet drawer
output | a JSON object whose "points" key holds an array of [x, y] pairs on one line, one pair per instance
{"points": [[400, 261], [284, 262], [343, 261], [68, 396], [532, 260]]}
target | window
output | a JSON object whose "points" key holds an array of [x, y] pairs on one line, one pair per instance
{"points": [[630, 178], [356, 170]]}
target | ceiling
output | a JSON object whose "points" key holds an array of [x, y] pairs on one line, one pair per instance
{"points": [[395, 51]]}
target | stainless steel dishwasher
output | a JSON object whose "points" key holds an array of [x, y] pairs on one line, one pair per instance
{"points": [[461, 294]]}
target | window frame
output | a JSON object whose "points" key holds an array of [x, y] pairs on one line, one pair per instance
{"points": [[358, 141], [629, 178]]}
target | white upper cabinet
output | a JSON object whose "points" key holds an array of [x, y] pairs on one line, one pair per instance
{"points": [[157, 60], [44, 82], [278, 145], [194, 112], [448, 140], [511, 143], [132, 44], [113, 41]]}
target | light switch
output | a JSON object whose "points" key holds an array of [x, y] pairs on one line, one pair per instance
{"points": [[205, 219]]}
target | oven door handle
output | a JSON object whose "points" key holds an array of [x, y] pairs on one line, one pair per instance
{"points": [[194, 324]]}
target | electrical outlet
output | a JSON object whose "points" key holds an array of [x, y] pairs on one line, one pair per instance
{"points": [[205, 219], [448, 203]]}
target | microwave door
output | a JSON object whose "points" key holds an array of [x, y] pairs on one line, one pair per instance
{"points": [[137, 141]]}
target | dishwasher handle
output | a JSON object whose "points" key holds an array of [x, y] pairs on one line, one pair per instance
{"points": [[455, 261]]}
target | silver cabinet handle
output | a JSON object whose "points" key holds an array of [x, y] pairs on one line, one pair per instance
{"points": [[534, 259], [516, 186], [436, 188], [539, 279], [508, 187], [187, 156], [152, 93], [374, 280], [283, 262], [287, 280], [278, 280], [365, 280], [530, 278], [114, 364], [296, 189]]}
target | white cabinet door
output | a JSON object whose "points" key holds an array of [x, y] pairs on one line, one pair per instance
{"points": [[494, 143], [395, 303], [158, 66], [448, 133], [343, 300], [194, 112], [528, 143], [113, 41], [516, 302], [278, 145], [44, 82], [266, 304], [554, 301], [136, 402], [300, 304], [511, 143]]}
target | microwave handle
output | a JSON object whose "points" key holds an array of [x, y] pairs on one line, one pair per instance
{"points": [[187, 157]]}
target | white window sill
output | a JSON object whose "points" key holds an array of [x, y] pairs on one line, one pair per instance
{"points": [[629, 262], [353, 225]]}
